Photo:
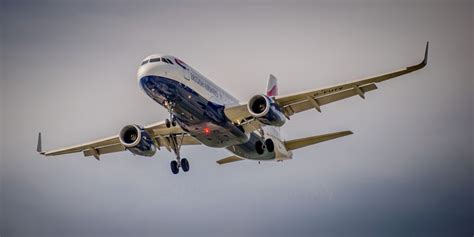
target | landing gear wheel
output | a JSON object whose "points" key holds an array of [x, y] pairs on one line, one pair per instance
{"points": [[185, 164], [269, 144], [173, 122], [174, 167], [259, 147], [167, 123]]}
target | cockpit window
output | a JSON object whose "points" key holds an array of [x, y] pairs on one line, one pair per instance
{"points": [[167, 61], [152, 60]]}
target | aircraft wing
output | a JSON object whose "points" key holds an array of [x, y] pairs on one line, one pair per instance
{"points": [[314, 99], [158, 131]]}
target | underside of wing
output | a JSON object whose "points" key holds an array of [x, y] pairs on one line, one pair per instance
{"points": [[162, 137], [299, 102], [314, 99], [97, 144]]}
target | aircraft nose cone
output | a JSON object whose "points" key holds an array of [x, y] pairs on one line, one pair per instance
{"points": [[142, 71]]}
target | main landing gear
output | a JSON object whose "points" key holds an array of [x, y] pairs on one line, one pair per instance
{"points": [[184, 164], [170, 122], [264, 144], [261, 146], [176, 143]]}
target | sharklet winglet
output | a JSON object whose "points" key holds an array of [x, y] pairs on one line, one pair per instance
{"points": [[39, 146]]}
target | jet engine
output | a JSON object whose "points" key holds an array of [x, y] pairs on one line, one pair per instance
{"points": [[265, 110], [137, 140]]}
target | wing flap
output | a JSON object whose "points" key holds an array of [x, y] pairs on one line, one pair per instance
{"points": [[104, 150], [307, 104], [303, 142], [95, 144]]}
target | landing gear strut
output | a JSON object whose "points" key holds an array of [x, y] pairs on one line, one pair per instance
{"points": [[175, 142], [171, 121], [261, 145], [179, 162]]}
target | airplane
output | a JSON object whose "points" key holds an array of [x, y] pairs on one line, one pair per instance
{"points": [[200, 112]]}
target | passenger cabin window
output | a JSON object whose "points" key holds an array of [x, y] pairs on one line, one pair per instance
{"points": [[155, 60]]}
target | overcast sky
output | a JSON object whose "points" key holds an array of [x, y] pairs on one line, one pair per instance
{"points": [[68, 70]]}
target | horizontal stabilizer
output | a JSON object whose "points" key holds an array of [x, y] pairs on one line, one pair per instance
{"points": [[228, 160], [302, 142]]}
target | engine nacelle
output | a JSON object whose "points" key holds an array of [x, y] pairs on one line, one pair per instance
{"points": [[137, 140], [265, 110]]}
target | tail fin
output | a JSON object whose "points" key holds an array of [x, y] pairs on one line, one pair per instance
{"points": [[272, 86]]}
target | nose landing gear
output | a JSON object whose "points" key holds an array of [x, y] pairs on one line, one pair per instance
{"points": [[171, 121]]}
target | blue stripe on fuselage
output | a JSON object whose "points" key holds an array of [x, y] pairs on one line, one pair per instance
{"points": [[195, 114]]}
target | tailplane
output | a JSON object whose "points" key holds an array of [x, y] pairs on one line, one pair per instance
{"points": [[228, 160], [272, 86], [303, 142]]}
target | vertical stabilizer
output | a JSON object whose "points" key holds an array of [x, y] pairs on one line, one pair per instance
{"points": [[272, 86]]}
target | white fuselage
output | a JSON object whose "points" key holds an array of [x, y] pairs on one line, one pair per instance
{"points": [[182, 74]]}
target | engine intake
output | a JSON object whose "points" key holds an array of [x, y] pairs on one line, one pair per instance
{"points": [[265, 110], [137, 140]]}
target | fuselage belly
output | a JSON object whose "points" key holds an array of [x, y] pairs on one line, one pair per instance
{"points": [[201, 118]]}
